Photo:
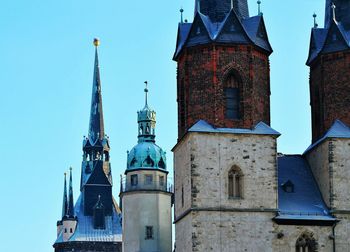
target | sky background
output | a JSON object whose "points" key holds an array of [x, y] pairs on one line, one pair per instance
{"points": [[46, 68]]}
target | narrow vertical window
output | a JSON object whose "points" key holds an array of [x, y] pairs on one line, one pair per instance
{"points": [[149, 233], [232, 103], [235, 183], [134, 180], [161, 180], [148, 179], [182, 196], [306, 243]]}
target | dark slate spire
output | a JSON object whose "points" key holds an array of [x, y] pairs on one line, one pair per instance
{"points": [[218, 9], [96, 127], [342, 13], [70, 197], [65, 198]]}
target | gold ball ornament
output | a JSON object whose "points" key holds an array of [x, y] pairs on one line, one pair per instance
{"points": [[96, 42]]}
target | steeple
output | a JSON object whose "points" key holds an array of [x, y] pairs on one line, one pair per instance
{"points": [[218, 9], [65, 198], [340, 13], [147, 121], [70, 211], [96, 127]]}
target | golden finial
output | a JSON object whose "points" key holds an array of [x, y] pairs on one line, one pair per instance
{"points": [[96, 42]]}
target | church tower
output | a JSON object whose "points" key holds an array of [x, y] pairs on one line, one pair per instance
{"points": [[329, 58], [225, 165], [223, 67], [145, 194], [94, 222]]}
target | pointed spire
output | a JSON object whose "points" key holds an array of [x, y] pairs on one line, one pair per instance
{"points": [[146, 94], [65, 198], [96, 127], [70, 197], [315, 22]]}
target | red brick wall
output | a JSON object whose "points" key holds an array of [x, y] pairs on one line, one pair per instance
{"points": [[330, 91], [201, 74]]}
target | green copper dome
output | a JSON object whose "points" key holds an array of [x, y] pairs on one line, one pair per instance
{"points": [[146, 154]]}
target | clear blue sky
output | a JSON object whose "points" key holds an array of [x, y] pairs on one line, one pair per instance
{"points": [[46, 76]]}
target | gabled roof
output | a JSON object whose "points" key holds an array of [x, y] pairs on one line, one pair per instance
{"points": [[232, 30], [260, 129], [326, 40], [338, 130], [305, 203], [85, 228]]}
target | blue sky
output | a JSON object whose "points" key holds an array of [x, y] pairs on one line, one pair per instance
{"points": [[46, 76]]}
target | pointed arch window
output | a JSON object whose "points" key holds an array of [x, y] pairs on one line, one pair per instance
{"points": [[235, 181], [232, 97], [306, 243]]}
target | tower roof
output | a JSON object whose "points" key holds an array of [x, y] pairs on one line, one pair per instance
{"points": [[232, 29], [70, 211], [96, 125], [65, 198], [341, 11]]}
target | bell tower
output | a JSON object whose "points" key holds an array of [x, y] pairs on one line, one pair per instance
{"points": [[223, 67], [329, 58]]}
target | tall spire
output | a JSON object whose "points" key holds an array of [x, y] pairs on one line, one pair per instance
{"points": [[65, 198], [96, 127], [70, 197], [146, 119]]}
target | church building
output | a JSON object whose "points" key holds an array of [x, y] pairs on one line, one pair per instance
{"points": [[233, 190]]}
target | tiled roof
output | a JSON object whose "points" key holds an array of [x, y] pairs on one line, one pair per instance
{"points": [[85, 230], [305, 202], [338, 130], [232, 30]]}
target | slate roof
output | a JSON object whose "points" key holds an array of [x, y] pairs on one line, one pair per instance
{"points": [[232, 30], [334, 38], [306, 202], [260, 129], [338, 130], [85, 230]]}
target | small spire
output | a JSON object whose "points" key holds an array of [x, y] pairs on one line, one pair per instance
{"points": [[333, 8], [70, 197], [197, 7], [182, 17], [146, 93], [315, 22], [65, 198], [231, 4], [259, 8]]}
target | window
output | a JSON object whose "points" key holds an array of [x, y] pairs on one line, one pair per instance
{"points": [[182, 196], [288, 187], [148, 179], [71, 230], [232, 103], [134, 180], [161, 180], [306, 243], [235, 183], [149, 232], [65, 230]]}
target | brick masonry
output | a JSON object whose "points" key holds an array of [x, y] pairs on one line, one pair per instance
{"points": [[202, 71], [330, 91]]}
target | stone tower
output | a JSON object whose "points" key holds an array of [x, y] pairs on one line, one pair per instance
{"points": [[145, 194], [94, 223], [328, 156], [328, 60], [225, 165], [223, 67]]}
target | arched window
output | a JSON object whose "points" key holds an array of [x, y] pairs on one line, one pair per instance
{"points": [[235, 178], [232, 97], [306, 243]]}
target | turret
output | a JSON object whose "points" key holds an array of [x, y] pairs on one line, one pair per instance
{"points": [[145, 194], [223, 67]]}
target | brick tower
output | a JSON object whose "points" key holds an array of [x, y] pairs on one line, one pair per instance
{"points": [[329, 62], [223, 67]]}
